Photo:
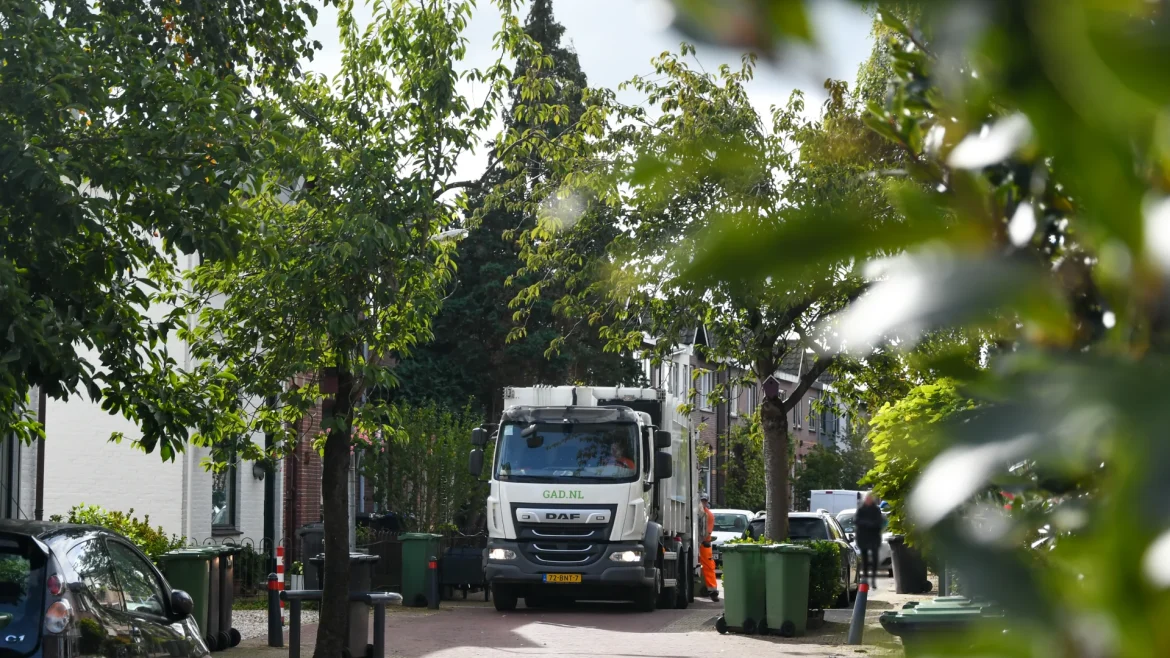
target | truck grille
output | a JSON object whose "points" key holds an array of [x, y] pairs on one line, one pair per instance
{"points": [[564, 545]]}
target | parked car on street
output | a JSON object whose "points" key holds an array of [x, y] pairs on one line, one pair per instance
{"points": [[885, 557], [70, 591], [812, 526], [729, 524]]}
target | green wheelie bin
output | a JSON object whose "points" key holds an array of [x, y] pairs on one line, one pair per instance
{"points": [[941, 626], [228, 636], [190, 571], [417, 550], [786, 571], [745, 601]]}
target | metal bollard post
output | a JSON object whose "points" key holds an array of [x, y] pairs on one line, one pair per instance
{"points": [[433, 589], [379, 630], [294, 628], [275, 630], [857, 624]]}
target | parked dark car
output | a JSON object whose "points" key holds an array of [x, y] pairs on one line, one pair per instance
{"points": [[810, 526], [69, 591]]}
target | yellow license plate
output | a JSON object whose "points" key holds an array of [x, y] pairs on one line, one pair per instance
{"points": [[562, 577]]}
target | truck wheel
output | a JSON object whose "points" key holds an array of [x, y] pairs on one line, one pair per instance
{"points": [[683, 595], [504, 598], [647, 598], [666, 595]]}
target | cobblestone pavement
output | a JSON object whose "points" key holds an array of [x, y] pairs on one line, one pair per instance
{"points": [[473, 628]]}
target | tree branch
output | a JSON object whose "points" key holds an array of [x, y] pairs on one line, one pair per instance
{"points": [[806, 381]]}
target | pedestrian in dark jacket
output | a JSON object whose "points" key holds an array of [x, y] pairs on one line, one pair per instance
{"points": [[868, 522]]}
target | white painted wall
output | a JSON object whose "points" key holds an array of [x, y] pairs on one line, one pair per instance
{"points": [[82, 466]]}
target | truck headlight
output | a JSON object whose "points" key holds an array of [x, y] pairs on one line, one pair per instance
{"points": [[501, 554], [626, 556]]}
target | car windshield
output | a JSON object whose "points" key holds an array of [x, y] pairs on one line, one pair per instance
{"points": [[730, 522], [846, 519], [22, 584], [553, 452], [805, 528]]}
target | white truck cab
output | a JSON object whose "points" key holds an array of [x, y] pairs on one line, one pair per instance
{"points": [[590, 497]]}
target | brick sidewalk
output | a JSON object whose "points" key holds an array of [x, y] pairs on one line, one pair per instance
{"points": [[473, 628]]}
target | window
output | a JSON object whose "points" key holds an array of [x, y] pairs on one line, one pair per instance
{"points": [[834, 529], [140, 589], [812, 417], [22, 592], [703, 389], [752, 401], [223, 498], [92, 564], [733, 399], [796, 417]]}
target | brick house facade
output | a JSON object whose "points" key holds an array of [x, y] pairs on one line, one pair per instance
{"points": [[712, 419]]}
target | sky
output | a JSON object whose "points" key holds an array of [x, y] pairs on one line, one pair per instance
{"points": [[616, 39]]}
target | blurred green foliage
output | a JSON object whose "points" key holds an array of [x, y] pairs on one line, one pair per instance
{"points": [[1033, 218]]}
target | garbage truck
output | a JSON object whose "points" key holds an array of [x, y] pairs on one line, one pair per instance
{"points": [[594, 496]]}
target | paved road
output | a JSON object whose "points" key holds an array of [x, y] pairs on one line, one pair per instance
{"points": [[473, 628]]}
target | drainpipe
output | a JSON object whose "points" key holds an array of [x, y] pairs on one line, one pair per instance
{"points": [[270, 496], [39, 511]]}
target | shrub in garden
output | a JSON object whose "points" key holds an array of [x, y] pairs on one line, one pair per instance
{"points": [[824, 574], [153, 541]]}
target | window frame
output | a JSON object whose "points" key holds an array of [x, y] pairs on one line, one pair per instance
{"points": [[100, 544], [110, 542], [704, 390], [233, 503]]}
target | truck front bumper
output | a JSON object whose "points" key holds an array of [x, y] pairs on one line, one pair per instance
{"points": [[601, 576]]}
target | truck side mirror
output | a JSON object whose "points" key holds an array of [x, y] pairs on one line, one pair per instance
{"points": [[662, 439], [478, 437], [663, 466], [475, 461]]}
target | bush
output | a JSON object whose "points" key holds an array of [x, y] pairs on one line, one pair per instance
{"points": [[151, 541], [824, 575], [903, 442]]}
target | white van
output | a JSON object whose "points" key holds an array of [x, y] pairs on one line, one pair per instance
{"points": [[835, 501]]}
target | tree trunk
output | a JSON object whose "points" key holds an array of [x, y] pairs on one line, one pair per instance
{"points": [[334, 615], [774, 422]]}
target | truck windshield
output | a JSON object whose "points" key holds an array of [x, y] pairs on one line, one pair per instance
{"points": [[551, 452]]}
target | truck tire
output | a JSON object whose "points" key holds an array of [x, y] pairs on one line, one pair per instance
{"points": [[504, 597], [682, 593], [647, 599], [666, 595]]}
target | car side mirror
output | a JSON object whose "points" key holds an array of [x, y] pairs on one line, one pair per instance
{"points": [[181, 604], [475, 462], [479, 437], [663, 466], [662, 439]]}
